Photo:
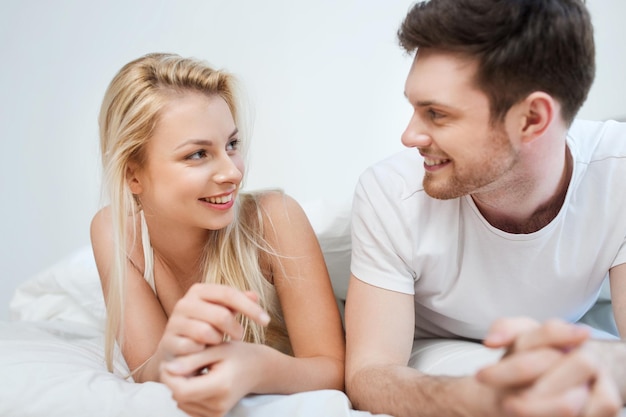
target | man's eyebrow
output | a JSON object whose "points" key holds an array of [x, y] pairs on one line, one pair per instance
{"points": [[426, 103]]}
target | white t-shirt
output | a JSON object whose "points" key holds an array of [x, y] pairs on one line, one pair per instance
{"points": [[465, 273]]}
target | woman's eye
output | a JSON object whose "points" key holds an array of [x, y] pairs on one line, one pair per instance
{"points": [[233, 145], [197, 155]]}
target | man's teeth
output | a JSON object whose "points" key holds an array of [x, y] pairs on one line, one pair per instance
{"points": [[220, 200], [433, 162]]}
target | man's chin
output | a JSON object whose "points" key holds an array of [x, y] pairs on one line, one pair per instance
{"points": [[442, 193]]}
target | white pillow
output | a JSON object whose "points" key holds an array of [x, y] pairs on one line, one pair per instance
{"points": [[68, 290], [331, 222]]}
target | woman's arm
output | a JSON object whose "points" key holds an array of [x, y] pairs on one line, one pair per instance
{"points": [[235, 369], [202, 316], [144, 319], [307, 300]]}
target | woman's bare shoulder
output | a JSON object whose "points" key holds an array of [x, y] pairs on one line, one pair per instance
{"points": [[277, 205], [102, 238], [101, 228]]}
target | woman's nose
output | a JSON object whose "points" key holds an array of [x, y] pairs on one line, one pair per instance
{"points": [[228, 171]]}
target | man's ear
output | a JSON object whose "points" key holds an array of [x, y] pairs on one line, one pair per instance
{"points": [[132, 178], [538, 110]]}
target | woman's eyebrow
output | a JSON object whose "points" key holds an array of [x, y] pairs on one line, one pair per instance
{"points": [[203, 142]]}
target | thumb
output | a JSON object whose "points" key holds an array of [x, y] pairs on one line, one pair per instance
{"points": [[504, 331]]}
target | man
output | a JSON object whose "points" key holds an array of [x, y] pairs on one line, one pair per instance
{"points": [[502, 207]]}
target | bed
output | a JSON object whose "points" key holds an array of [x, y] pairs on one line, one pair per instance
{"points": [[52, 357], [52, 360]]}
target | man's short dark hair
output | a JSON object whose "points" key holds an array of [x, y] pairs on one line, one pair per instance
{"points": [[521, 46]]}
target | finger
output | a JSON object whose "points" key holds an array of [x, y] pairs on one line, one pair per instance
{"points": [[194, 395], [205, 321], [207, 331], [572, 369], [519, 370], [184, 389], [175, 345], [605, 399], [188, 364], [234, 300], [202, 409], [216, 390], [503, 331], [554, 333], [569, 403], [193, 409], [252, 295]]}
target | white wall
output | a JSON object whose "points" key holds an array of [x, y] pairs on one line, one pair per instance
{"points": [[607, 98], [325, 79]]}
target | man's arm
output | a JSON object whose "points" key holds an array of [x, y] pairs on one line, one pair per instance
{"points": [[379, 331]]}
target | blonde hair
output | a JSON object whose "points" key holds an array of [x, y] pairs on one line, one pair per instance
{"points": [[130, 111]]}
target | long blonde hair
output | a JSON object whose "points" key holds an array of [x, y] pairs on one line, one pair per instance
{"points": [[128, 116]]}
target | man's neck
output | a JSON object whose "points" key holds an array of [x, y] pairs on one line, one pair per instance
{"points": [[528, 209]]}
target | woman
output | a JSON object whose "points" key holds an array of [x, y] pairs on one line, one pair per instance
{"points": [[193, 269]]}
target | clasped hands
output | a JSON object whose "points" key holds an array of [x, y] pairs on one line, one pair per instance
{"points": [[549, 370], [207, 375]]}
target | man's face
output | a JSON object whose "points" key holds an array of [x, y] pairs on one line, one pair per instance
{"points": [[463, 152]]}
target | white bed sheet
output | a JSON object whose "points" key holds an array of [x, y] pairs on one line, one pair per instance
{"points": [[56, 369], [52, 361]]}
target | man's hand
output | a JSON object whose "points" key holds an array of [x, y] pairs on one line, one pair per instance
{"points": [[549, 370]]}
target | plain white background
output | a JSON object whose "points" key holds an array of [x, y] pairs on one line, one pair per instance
{"points": [[324, 80]]}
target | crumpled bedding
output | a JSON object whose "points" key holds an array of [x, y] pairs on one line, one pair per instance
{"points": [[52, 359]]}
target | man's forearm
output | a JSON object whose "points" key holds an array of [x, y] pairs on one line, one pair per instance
{"points": [[405, 392]]}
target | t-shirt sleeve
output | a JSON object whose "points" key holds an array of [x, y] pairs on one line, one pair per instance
{"points": [[621, 255], [379, 244]]}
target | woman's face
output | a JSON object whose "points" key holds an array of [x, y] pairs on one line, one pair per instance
{"points": [[193, 164]]}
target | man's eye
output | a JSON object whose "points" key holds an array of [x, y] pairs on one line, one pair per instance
{"points": [[197, 155], [432, 114]]}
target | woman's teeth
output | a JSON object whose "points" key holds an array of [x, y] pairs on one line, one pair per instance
{"points": [[219, 200]]}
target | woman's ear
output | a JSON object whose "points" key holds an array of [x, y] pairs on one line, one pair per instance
{"points": [[132, 178], [537, 111]]}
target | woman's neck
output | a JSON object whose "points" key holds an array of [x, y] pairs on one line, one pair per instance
{"points": [[177, 249]]}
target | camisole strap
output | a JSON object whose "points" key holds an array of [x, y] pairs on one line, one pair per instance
{"points": [[148, 256]]}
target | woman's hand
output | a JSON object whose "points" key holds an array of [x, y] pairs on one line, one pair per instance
{"points": [[205, 316], [222, 375]]}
